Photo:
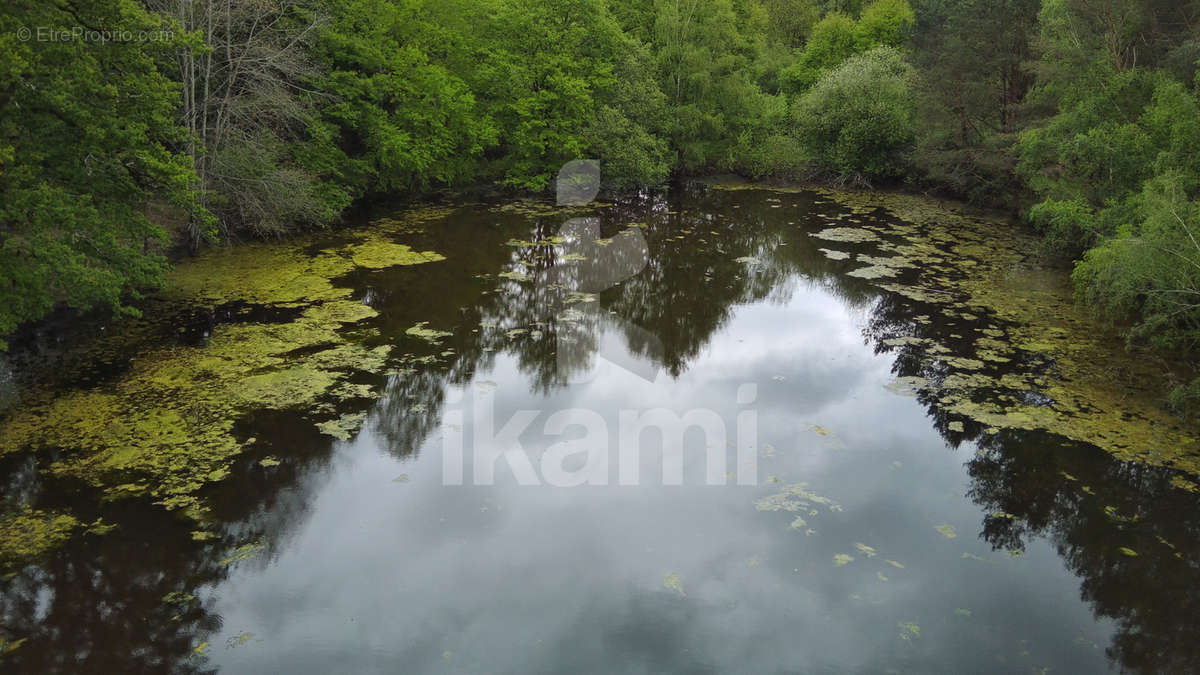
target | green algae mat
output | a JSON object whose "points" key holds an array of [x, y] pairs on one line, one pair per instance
{"points": [[164, 429]]}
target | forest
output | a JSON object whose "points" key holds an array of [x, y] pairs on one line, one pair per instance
{"points": [[135, 131]]}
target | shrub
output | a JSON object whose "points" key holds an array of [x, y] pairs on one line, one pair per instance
{"points": [[1151, 270], [859, 118]]}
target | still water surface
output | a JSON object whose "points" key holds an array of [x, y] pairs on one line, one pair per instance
{"points": [[879, 536]]}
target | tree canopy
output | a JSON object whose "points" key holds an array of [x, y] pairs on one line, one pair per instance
{"points": [[130, 126]]}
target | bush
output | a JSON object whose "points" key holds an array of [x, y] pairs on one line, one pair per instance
{"points": [[1069, 227], [774, 155], [1151, 270], [859, 118]]}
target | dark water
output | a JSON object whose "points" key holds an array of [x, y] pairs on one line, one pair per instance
{"points": [[356, 556]]}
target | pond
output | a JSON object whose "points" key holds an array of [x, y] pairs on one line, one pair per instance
{"points": [[722, 428]]}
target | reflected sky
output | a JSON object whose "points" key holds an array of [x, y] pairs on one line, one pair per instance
{"points": [[415, 576], [960, 550]]}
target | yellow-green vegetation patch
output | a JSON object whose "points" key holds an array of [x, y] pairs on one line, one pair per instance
{"points": [[422, 331], [412, 219], [671, 583], [341, 311], [243, 552], [865, 550], [29, 534], [343, 427], [537, 208], [7, 646], [851, 235], [947, 531], [834, 254], [873, 272], [907, 386], [1185, 484], [1074, 377], [238, 640], [818, 429], [164, 429], [796, 497], [842, 559], [576, 297], [287, 273], [260, 274], [177, 598], [377, 254]]}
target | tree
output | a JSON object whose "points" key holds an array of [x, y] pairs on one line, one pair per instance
{"points": [[839, 36], [87, 127], [790, 21], [706, 51], [974, 57], [401, 119], [885, 22], [833, 40], [859, 118], [1091, 161], [250, 117], [626, 130]]}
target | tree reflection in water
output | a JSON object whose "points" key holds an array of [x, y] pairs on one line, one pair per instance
{"points": [[137, 599]]}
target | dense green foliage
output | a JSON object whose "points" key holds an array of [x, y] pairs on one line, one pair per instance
{"points": [[858, 118], [1115, 163], [86, 131], [259, 118]]}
